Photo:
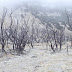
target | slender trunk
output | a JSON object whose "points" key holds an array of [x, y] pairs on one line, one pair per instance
{"points": [[3, 48], [60, 46], [13, 46], [7, 42], [67, 49], [52, 48], [32, 44], [71, 42]]}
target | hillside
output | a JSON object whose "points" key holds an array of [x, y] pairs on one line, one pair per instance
{"points": [[40, 15]]}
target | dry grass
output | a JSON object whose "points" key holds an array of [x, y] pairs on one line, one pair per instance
{"points": [[38, 60]]}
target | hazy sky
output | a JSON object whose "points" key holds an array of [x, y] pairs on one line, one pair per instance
{"points": [[45, 2]]}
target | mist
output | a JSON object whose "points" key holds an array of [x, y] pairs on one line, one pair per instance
{"points": [[48, 3], [35, 35]]}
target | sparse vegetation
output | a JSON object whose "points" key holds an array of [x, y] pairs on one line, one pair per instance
{"points": [[29, 29]]}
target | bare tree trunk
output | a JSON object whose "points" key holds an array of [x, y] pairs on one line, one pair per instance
{"points": [[3, 48], [31, 44], [60, 45], [71, 42], [2, 31], [7, 42], [52, 47], [13, 46], [67, 49]]}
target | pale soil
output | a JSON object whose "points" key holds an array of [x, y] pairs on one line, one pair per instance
{"points": [[38, 60]]}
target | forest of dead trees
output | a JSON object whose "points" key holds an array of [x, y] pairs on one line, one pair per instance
{"points": [[19, 37]]}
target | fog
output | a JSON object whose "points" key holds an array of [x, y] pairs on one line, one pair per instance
{"points": [[50, 3]]}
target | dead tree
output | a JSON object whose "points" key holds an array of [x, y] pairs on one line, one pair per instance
{"points": [[11, 31], [47, 37], [68, 20], [21, 42], [32, 33], [53, 39], [71, 42], [52, 47], [60, 38], [2, 30]]}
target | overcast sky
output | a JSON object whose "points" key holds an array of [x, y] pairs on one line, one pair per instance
{"points": [[45, 2]]}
